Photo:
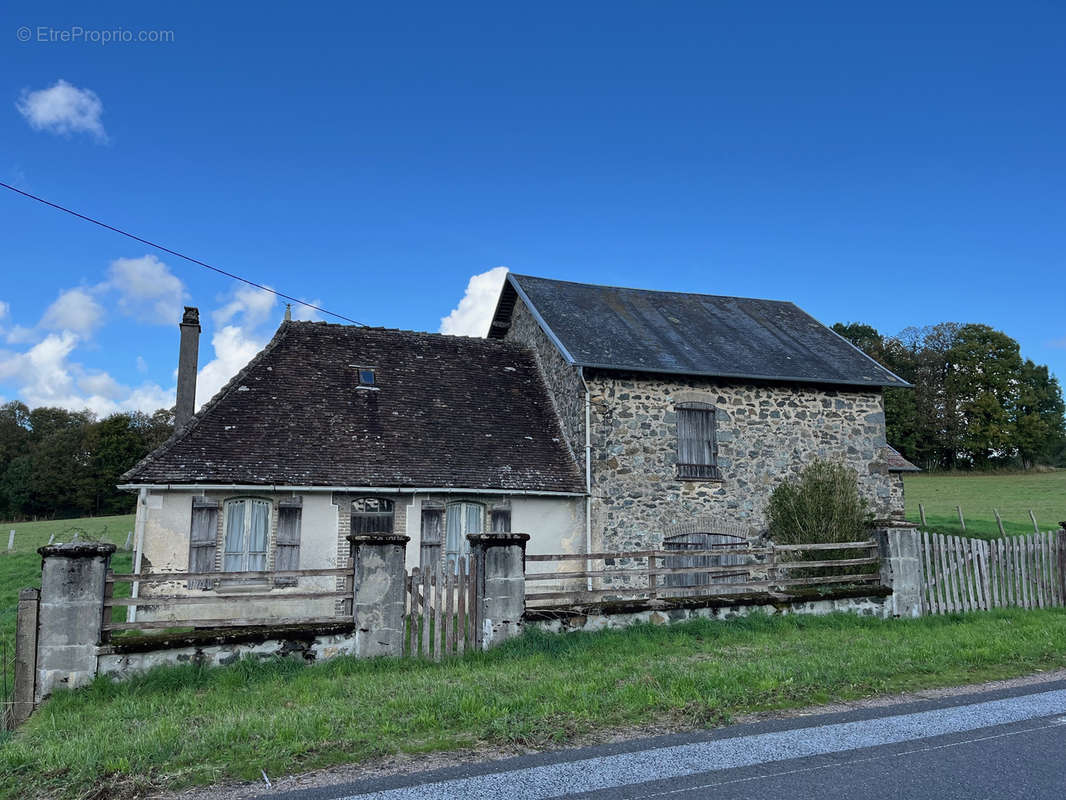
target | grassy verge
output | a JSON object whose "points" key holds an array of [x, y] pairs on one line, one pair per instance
{"points": [[185, 726], [1013, 495]]}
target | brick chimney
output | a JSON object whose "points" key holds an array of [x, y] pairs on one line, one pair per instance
{"points": [[188, 355]]}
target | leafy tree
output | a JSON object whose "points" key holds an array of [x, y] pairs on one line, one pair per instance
{"points": [[67, 463], [975, 402]]}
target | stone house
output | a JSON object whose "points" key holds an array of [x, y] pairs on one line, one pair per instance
{"points": [[335, 429], [684, 411], [592, 418]]}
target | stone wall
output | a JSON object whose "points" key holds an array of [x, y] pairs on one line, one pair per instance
{"points": [[766, 434], [218, 650], [870, 603], [560, 376]]}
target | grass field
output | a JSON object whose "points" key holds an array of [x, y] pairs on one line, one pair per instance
{"points": [[186, 726], [1012, 494], [22, 568]]}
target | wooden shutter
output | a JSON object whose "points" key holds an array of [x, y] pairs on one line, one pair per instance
{"points": [[697, 445], [287, 543], [203, 540], [501, 520], [432, 536]]}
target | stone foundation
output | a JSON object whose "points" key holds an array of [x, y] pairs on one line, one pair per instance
{"points": [[124, 659], [605, 616]]}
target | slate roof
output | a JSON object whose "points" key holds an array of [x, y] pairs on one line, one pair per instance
{"points": [[895, 460], [607, 327], [447, 412]]}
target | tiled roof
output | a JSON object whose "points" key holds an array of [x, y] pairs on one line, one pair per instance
{"points": [[895, 461], [445, 412], [607, 327]]}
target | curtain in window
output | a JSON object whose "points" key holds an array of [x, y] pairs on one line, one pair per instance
{"points": [[258, 536], [247, 535], [233, 560], [462, 518]]}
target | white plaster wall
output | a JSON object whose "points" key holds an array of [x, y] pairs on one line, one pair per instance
{"points": [[168, 518], [554, 524]]}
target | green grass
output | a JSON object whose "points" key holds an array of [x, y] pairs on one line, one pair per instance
{"points": [[22, 568], [183, 726], [1012, 494]]}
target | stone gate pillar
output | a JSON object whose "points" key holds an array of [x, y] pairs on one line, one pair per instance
{"points": [[500, 564], [71, 614], [378, 601], [901, 567]]}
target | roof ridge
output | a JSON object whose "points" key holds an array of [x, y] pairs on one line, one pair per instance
{"points": [[656, 291], [383, 329]]}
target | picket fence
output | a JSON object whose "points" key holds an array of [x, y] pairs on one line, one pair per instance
{"points": [[962, 574], [439, 611]]}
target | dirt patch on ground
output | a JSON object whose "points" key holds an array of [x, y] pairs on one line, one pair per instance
{"points": [[423, 762]]}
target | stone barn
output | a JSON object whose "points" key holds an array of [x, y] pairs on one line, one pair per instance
{"points": [[684, 411]]}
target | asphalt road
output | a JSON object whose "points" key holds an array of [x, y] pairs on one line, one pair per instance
{"points": [[994, 745]]}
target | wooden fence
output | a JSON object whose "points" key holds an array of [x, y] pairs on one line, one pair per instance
{"points": [[115, 618], [961, 574], [440, 608], [719, 570], [7, 684]]}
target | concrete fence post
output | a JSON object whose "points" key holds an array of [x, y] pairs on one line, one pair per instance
{"points": [[901, 568], [25, 657], [500, 594], [71, 614], [378, 600]]}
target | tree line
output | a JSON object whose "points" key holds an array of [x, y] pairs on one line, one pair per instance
{"points": [[58, 463], [976, 403]]}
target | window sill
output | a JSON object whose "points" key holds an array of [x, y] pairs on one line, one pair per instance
{"points": [[686, 479]]}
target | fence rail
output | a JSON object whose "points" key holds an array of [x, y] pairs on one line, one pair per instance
{"points": [[962, 574], [634, 574], [196, 597]]}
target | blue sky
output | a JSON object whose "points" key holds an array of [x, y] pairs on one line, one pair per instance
{"points": [[899, 165]]}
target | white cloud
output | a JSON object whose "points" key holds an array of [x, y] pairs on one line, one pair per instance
{"points": [[234, 347], [63, 109], [74, 310], [142, 365], [305, 314], [20, 334], [45, 376], [474, 312], [148, 290], [5, 309], [253, 304]]}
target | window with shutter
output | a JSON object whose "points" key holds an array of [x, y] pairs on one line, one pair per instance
{"points": [[287, 543], [203, 540], [432, 536], [697, 444]]}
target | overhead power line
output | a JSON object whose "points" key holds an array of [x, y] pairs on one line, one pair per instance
{"points": [[197, 261]]}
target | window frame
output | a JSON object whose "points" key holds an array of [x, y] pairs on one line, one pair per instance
{"points": [[369, 515], [463, 543], [689, 469], [246, 552]]}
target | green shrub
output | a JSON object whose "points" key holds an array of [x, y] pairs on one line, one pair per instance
{"points": [[823, 505]]}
